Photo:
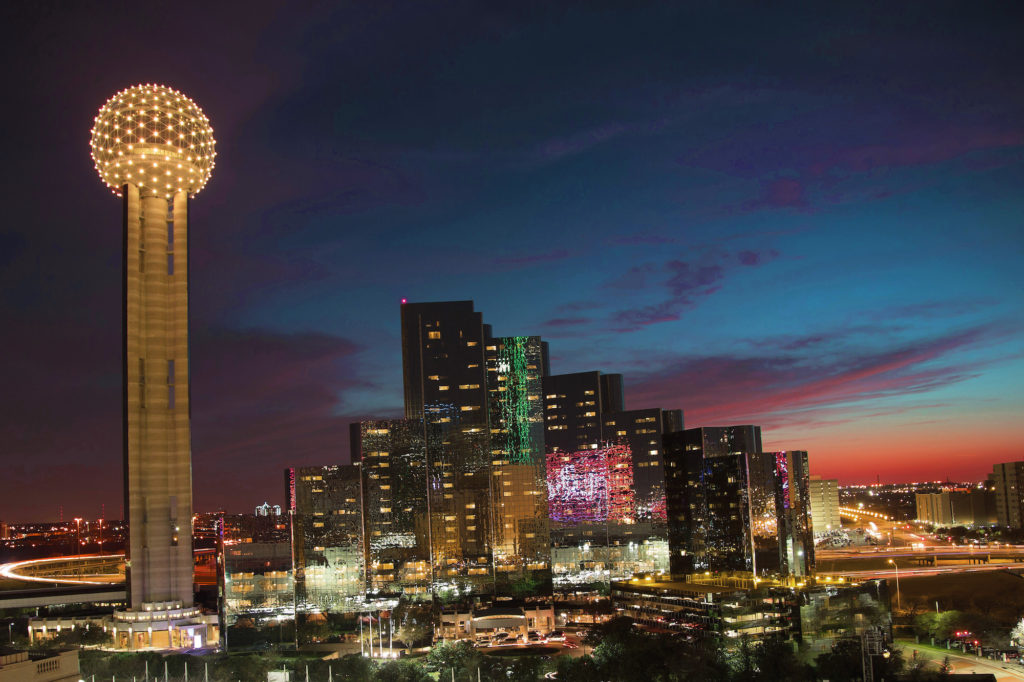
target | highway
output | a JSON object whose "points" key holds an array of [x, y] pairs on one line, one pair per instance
{"points": [[67, 570]]}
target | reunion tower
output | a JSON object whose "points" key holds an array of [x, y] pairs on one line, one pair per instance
{"points": [[154, 148]]}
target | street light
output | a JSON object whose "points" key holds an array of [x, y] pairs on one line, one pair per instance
{"points": [[78, 541], [896, 566]]}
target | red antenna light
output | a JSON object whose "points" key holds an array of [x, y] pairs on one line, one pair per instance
{"points": [[404, 301]]}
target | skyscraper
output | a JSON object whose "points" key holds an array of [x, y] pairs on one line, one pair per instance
{"points": [[594, 444], [477, 400], [521, 540], [574, 405], [1008, 481], [707, 498], [642, 430], [780, 513], [154, 148]]}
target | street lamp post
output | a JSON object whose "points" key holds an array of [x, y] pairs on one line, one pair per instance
{"points": [[896, 566]]}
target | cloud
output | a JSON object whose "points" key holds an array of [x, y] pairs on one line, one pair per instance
{"points": [[566, 321], [530, 259], [641, 238], [782, 388], [684, 282], [780, 193], [264, 400], [260, 401], [556, 148]]}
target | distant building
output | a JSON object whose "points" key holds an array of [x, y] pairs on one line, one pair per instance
{"points": [[780, 513], [1007, 480], [824, 494], [707, 498], [327, 537], [266, 509], [959, 507]]}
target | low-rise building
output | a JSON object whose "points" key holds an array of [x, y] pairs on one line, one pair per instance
{"points": [[729, 607], [39, 666], [957, 507], [471, 622]]}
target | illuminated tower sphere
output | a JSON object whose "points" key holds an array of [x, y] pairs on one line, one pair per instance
{"points": [[154, 148]]}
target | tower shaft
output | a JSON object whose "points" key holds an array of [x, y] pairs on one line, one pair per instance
{"points": [[157, 436]]}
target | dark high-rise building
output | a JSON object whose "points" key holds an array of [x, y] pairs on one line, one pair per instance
{"points": [[707, 498], [393, 458], [327, 537], [642, 431], [445, 381], [521, 540], [443, 363], [573, 409], [780, 512], [593, 443]]}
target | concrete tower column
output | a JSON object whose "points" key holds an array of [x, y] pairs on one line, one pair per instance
{"points": [[158, 485]]}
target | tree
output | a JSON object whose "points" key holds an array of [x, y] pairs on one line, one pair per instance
{"points": [[775, 659], [460, 656], [1017, 635], [401, 671]]}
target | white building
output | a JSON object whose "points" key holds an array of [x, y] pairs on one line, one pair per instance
{"points": [[824, 504]]}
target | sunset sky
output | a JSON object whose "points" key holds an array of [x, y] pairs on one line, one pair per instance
{"points": [[805, 217]]}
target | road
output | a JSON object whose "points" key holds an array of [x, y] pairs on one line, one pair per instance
{"points": [[962, 663]]}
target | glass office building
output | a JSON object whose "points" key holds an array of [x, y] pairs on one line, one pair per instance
{"points": [[521, 538], [327, 536]]}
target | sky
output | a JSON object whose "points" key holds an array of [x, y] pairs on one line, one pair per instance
{"points": [[807, 217]]}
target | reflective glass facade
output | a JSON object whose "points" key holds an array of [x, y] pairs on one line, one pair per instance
{"points": [[707, 498], [780, 513], [255, 574], [521, 540], [327, 532], [393, 457]]}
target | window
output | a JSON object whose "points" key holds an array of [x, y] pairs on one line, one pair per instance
{"points": [[170, 264], [170, 384], [433, 335]]}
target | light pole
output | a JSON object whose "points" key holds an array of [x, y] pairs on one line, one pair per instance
{"points": [[78, 539], [896, 566]]}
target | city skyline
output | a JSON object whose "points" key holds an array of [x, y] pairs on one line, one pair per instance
{"points": [[818, 235]]}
